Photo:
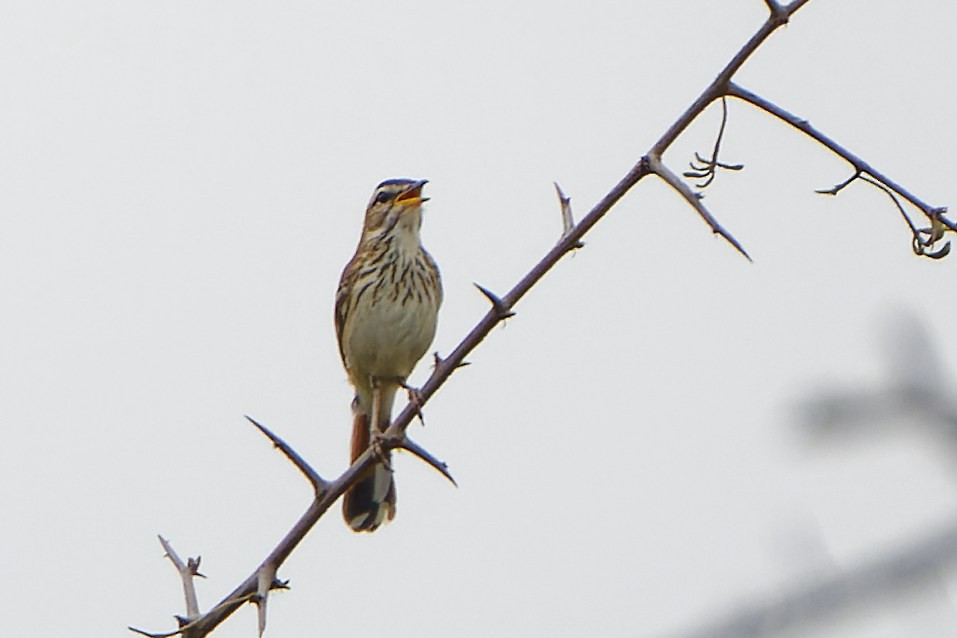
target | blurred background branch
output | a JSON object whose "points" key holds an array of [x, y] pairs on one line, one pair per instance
{"points": [[917, 399]]}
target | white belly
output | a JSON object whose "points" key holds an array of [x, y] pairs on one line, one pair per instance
{"points": [[386, 339]]}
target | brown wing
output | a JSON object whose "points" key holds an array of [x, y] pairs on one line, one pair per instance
{"points": [[343, 295], [436, 276]]}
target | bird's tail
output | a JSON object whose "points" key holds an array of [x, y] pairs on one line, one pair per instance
{"points": [[371, 501]]}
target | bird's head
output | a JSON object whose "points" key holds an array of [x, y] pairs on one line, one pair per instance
{"points": [[396, 205]]}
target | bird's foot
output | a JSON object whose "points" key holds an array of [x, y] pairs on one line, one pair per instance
{"points": [[379, 451], [416, 400]]}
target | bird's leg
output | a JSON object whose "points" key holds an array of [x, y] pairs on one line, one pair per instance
{"points": [[415, 398], [375, 434]]}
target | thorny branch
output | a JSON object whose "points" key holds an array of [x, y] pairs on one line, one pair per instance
{"points": [[256, 587]]}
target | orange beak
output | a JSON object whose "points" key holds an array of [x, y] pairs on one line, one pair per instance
{"points": [[413, 194]]}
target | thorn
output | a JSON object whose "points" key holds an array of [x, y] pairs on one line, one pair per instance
{"points": [[266, 431], [497, 304], [437, 361], [417, 450], [564, 199], [738, 247], [279, 584], [193, 565], [266, 578], [568, 220], [313, 477]]}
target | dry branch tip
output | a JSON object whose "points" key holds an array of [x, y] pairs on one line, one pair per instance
{"points": [[837, 188], [187, 571]]}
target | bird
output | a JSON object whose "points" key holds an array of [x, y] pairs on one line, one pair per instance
{"points": [[386, 314]]}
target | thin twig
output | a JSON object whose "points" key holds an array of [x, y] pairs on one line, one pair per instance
{"points": [[860, 166], [837, 188]]}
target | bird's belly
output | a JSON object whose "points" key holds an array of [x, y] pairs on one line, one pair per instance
{"points": [[388, 338]]}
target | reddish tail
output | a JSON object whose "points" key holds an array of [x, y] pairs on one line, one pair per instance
{"points": [[372, 501]]}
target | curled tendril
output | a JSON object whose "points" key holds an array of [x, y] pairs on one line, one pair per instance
{"points": [[925, 238], [707, 168]]}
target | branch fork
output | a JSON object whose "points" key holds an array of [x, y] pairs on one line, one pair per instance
{"points": [[255, 589]]}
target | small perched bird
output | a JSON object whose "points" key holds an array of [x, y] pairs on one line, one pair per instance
{"points": [[387, 306]]}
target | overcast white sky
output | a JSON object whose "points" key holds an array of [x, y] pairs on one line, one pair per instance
{"points": [[183, 182]]}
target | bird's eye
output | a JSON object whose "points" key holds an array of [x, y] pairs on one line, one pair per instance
{"points": [[383, 197]]}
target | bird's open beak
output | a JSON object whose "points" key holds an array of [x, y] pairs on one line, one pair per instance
{"points": [[413, 194]]}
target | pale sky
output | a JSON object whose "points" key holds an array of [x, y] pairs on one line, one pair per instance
{"points": [[183, 183]]}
